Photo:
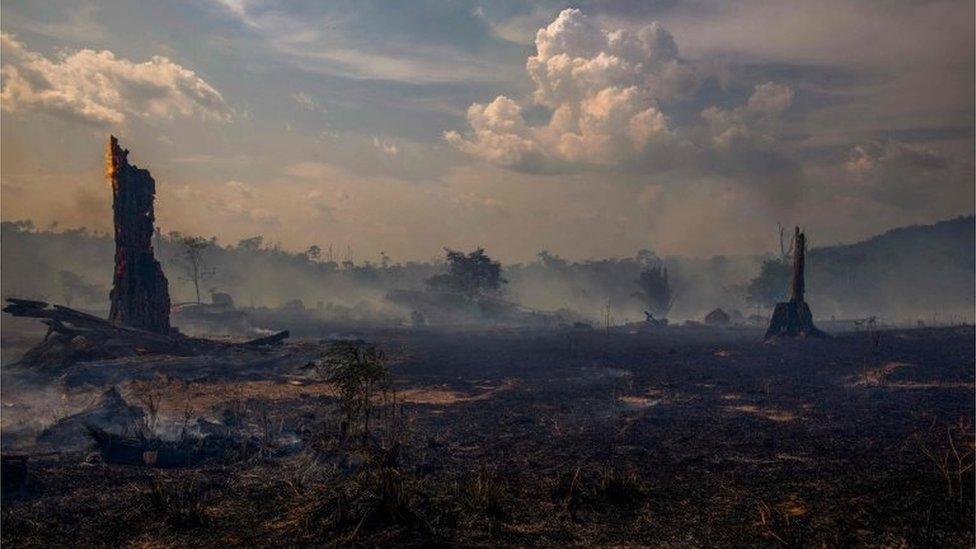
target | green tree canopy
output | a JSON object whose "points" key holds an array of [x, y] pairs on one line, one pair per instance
{"points": [[471, 274]]}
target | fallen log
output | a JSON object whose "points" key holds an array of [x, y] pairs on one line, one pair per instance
{"points": [[74, 336], [72, 323], [273, 339]]}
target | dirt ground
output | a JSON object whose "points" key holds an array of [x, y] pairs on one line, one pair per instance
{"points": [[677, 438]]}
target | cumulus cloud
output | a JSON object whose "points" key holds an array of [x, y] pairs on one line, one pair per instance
{"points": [[576, 59], [609, 93], [98, 87], [604, 89], [501, 135], [746, 126]]}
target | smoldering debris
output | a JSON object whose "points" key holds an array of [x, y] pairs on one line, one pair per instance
{"points": [[187, 451], [110, 414], [140, 425]]}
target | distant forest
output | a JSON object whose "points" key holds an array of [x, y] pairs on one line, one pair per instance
{"points": [[918, 272]]}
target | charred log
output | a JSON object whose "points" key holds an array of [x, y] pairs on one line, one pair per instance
{"points": [[273, 339], [110, 412], [140, 294], [793, 318], [74, 336]]}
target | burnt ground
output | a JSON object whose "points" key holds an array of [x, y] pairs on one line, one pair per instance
{"points": [[680, 438]]}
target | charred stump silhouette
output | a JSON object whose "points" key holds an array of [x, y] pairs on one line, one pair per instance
{"points": [[140, 293], [793, 318]]}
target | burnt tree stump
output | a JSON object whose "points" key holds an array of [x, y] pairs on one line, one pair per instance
{"points": [[793, 318], [140, 293]]}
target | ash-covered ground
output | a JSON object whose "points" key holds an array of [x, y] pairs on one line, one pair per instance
{"points": [[675, 437]]}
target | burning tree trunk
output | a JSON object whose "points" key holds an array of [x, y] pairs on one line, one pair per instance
{"points": [[140, 294], [793, 318]]}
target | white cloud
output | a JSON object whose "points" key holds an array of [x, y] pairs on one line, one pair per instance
{"points": [[501, 135], [603, 87], [308, 103], [770, 98], [745, 126], [575, 59], [607, 91], [98, 87], [387, 148]]}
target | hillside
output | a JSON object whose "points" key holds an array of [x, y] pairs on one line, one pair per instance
{"points": [[909, 272]]}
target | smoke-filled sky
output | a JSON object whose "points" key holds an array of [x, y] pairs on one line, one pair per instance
{"points": [[590, 129]]}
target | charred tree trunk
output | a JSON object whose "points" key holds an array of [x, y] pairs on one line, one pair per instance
{"points": [[798, 284], [140, 293], [793, 318]]}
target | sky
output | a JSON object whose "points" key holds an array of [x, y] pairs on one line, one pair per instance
{"points": [[590, 129]]}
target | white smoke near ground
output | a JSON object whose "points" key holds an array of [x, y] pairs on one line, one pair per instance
{"points": [[30, 406], [324, 293]]}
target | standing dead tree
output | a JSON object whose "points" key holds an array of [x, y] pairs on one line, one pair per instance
{"points": [[784, 252], [140, 292], [192, 261], [793, 318]]}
